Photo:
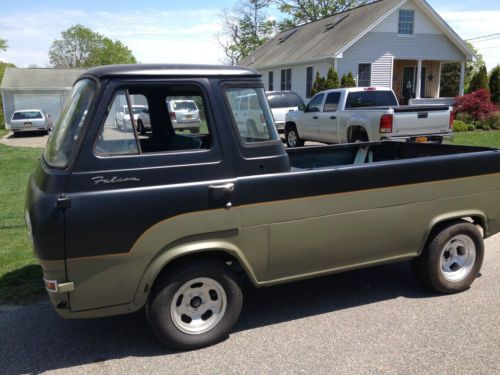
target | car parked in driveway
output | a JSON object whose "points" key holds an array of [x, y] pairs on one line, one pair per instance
{"points": [[141, 118], [184, 114], [30, 120], [282, 102]]}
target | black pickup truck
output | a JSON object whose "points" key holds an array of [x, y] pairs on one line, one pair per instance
{"points": [[167, 220]]}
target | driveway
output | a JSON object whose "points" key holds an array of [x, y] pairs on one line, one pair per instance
{"points": [[373, 321], [31, 139]]}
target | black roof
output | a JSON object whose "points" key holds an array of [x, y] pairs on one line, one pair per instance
{"points": [[170, 70]]}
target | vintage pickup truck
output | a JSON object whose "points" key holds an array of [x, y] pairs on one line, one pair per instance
{"points": [[170, 221], [363, 114]]}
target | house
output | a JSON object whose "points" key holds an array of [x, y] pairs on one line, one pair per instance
{"points": [[391, 43], [36, 89]]}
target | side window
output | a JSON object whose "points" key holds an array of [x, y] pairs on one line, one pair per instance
{"points": [[117, 135], [332, 102], [255, 124], [292, 99], [315, 104], [155, 119]]}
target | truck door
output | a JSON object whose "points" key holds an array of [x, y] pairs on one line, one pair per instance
{"points": [[133, 196], [308, 129], [328, 121]]}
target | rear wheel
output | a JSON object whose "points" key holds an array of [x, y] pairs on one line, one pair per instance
{"points": [[292, 137], [195, 305], [195, 130], [452, 258], [140, 127]]}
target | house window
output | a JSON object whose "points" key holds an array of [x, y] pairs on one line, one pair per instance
{"points": [[309, 81], [406, 22], [286, 79], [364, 75], [271, 81]]}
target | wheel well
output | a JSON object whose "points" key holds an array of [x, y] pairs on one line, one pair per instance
{"points": [[290, 124], [438, 227], [231, 261], [355, 131]]}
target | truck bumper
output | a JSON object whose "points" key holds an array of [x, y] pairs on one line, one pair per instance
{"points": [[424, 138]]}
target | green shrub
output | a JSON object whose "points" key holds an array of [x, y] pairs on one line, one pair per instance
{"points": [[459, 126], [471, 127], [494, 120], [464, 117]]}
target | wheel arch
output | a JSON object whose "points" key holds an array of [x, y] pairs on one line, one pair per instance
{"points": [[170, 257], [354, 129], [439, 222]]}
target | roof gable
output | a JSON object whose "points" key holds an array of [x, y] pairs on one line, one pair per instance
{"points": [[39, 78], [331, 36]]}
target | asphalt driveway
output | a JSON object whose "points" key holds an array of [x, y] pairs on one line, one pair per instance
{"points": [[369, 321]]}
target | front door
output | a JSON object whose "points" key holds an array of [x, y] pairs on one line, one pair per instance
{"points": [[328, 121], [309, 128], [408, 84]]}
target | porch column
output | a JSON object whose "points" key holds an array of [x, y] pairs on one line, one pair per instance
{"points": [[462, 78], [419, 80]]}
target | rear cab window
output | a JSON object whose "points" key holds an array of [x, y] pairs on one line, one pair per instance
{"points": [[292, 99], [253, 121], [370, 99]]}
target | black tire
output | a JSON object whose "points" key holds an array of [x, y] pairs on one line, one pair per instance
{"points": [[140, 128], [292, 137], [436, 268], [195, 130], [160, 309], [359, 136]]}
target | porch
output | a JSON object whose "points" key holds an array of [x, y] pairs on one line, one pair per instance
{"points": [[418, 81]]}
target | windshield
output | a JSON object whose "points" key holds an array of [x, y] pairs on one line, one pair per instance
{"points": [[61, 143]]}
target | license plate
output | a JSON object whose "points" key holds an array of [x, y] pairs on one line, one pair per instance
{"points": [[28, 124], [189, 116], [421, 139]]}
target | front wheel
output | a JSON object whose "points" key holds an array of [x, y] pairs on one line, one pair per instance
{"points": [[195, 305], [452, 258], [292, 137]]}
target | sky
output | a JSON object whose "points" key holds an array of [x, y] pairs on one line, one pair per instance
{"points": [[166, 31]]}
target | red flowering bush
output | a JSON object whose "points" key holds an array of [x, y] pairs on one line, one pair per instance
{"points": [[477, 104]]}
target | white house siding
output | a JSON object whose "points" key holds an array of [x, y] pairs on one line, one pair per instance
{"points": [[379, 48], [423, 25], [299, 76]]}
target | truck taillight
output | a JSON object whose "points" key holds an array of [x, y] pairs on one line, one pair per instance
{"points": [[172, 115], [386, 124], [452, 118]]}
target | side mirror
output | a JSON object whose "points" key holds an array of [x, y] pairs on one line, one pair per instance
{"points": [[302, 107]]}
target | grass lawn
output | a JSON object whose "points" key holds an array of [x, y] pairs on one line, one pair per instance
{"points": [[20, 275], [478, 138]]}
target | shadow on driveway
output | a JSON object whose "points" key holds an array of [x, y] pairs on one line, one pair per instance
{"points": [[34, 339]]}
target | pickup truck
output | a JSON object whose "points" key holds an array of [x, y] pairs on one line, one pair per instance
{"points": [[172, 221], [365, 114]]}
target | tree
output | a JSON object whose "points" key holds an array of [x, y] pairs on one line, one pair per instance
{"points": [[245, 27], [3, 66], [81, 47], [479, 80], [332, 80], [303, 11], [319, 84], [347, 81], [477, 104], [450, 80], [3, 44], [495, 85]]}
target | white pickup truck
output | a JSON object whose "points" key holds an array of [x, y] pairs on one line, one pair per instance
{"points": [[365, 114]]}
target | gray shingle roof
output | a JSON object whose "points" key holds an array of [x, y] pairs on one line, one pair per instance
{"points": [[39, 78], [319, 39]]}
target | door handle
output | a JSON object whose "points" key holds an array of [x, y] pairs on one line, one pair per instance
{"points": [[333, 117], [315, 117], [222, 193], [227, 188]]}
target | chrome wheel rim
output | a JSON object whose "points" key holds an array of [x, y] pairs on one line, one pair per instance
{"points": [[292, 138], [457, 258], [198, 306]]}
